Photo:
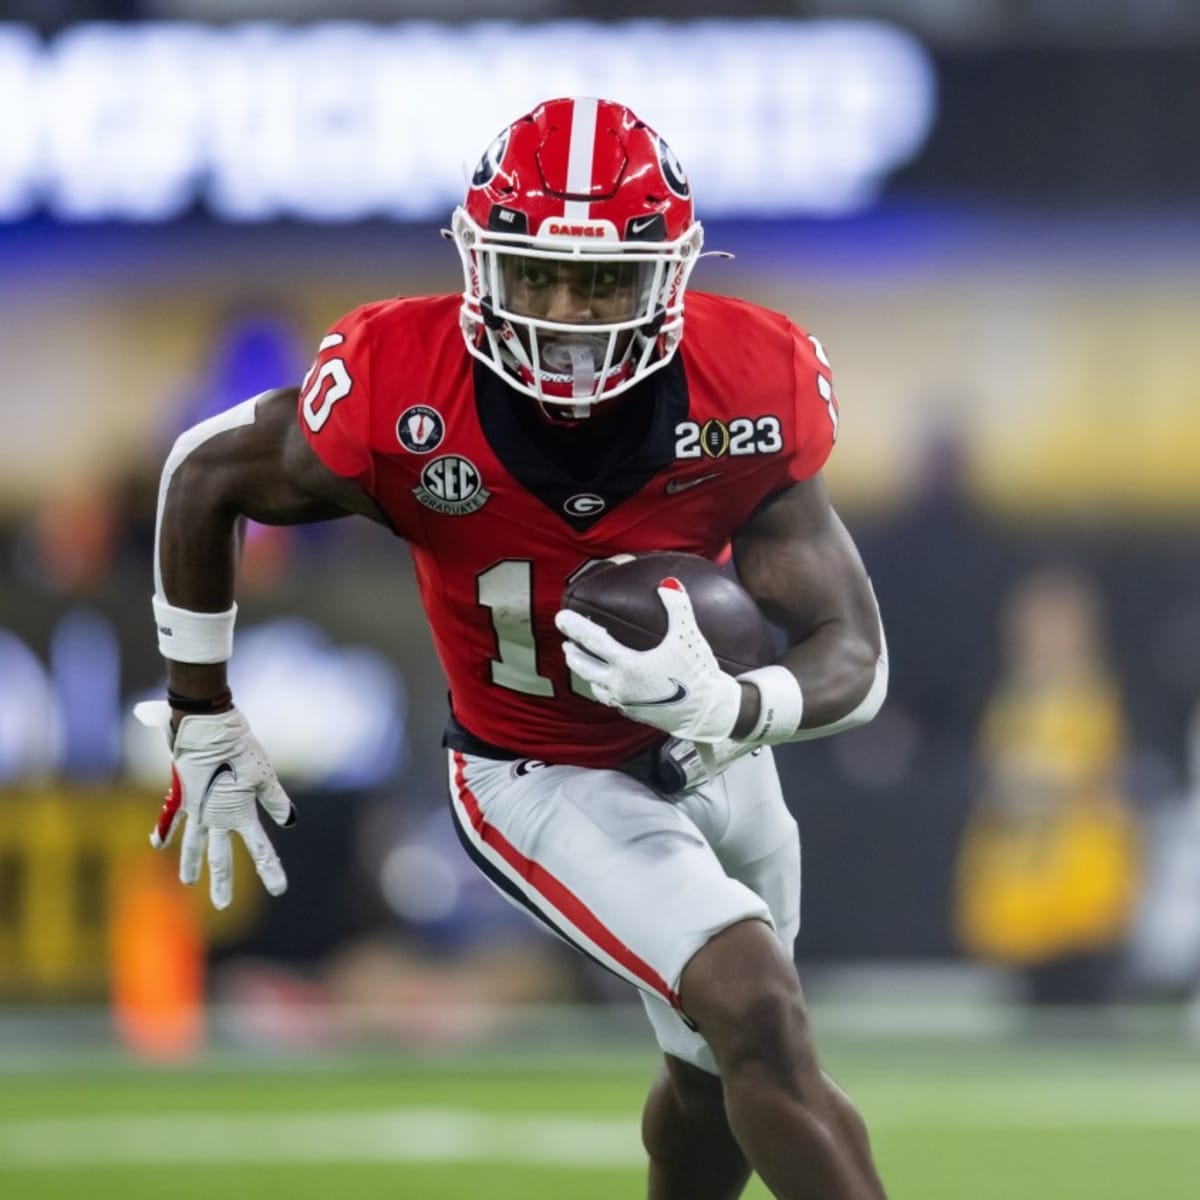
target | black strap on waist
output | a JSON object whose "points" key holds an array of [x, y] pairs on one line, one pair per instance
{"points": [[651, 767]]}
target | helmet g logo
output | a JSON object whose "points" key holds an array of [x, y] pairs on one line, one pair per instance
{"points": [[672, 170], [489, 164]]}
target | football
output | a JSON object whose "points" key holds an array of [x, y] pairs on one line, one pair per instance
{"points": [[619, 594]]}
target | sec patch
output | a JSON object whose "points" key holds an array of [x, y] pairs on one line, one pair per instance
{"points": [[451, 485]]}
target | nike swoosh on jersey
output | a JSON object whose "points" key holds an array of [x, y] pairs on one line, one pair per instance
{"points": [[678, 694], [681, 485], [225, 768]]}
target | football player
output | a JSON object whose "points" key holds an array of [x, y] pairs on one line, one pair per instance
{"points": [[551, 415]]}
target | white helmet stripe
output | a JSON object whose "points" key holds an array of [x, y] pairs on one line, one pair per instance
{"points": [[579, 160]]}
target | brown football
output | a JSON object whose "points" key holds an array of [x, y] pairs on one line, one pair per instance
{"points": [[621, 596]]}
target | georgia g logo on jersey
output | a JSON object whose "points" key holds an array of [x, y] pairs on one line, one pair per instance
{"points": [[584, 504]]}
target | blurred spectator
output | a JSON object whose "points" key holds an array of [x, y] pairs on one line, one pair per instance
{"points": [[255, 347], [30, 724], [67, 554], [1048, 871], [940, 566], [76, 536], [1166, 948]]}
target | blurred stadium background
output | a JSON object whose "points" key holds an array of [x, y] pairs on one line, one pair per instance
{"points": [[990, 214]]}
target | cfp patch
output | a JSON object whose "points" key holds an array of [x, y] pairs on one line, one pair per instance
{"points": [[739, 437], [420, 429], [451, 485]]}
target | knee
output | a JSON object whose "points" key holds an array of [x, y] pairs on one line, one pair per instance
{"points": [[761, 1027], [743, 994]]}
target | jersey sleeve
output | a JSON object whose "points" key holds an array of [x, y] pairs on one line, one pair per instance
{"points": [[335, 401], [816, 411]]}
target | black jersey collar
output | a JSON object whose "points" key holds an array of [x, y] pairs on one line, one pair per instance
{"points": [[581, 482]]}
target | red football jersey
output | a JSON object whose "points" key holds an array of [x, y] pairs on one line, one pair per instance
{"points": [[499, 511]]}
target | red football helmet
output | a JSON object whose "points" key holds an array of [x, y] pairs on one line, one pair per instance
{"points": [[577, 237]]}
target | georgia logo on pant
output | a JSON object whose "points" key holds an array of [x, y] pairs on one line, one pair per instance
{"points": [[525, 765]]}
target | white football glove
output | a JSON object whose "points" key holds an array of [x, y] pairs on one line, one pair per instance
{"points": [[676, 686], [218, 774]]}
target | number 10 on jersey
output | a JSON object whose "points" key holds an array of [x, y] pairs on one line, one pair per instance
{"points": [[505, 589]]}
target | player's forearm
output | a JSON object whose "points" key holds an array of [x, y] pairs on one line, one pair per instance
{"points": [[836, 672], [841, 673], [197, 556], [832, 679], [197, 543]]}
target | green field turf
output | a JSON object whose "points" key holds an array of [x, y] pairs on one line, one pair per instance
{"points": [[950, 1121]]}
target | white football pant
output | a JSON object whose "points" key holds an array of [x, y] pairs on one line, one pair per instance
{"points": [[636, 881]]}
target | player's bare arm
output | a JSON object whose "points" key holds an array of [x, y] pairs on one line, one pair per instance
{"points": [[263, 470], [797, 560], [249, 462]]}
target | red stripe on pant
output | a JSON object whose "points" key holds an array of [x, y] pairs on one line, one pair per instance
{"points": [[555, 892]]}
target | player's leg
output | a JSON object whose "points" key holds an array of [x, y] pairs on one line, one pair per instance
{"points": [[627, 878], [746, 821], [798, 1129], [743, 818], [693, 1153], [633, 881]]}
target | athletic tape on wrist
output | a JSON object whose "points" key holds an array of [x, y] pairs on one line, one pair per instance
{"points": [[781, 705], [194, 637], [206, 706]]}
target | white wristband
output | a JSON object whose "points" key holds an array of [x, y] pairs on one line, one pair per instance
{"points": [[194, 637], [781, 705]]}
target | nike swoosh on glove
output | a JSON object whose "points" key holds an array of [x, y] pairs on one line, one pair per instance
{"points": [[219, 775], [676, 686]]}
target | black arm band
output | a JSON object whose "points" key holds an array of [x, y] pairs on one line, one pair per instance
{"points": [[206, 707]]}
